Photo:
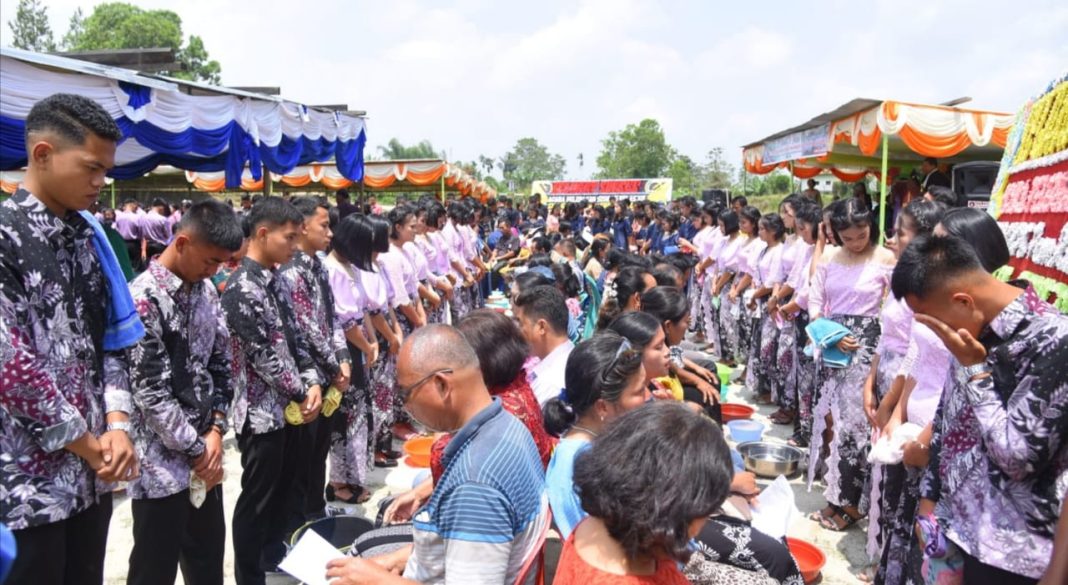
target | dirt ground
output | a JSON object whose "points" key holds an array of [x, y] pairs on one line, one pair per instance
{"points": [[844, 551]]}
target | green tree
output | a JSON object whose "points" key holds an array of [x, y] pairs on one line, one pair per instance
{"points": [[194, 57], [30, 28], [75, 30], [529, 161], [638, 151], [717, 171], [117, 25], [487, 163], [396, 150], [685, 175], [779, 183]]}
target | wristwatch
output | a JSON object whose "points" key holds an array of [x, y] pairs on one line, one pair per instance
{"points": [[123, 425], [976, 369], [220, 423]]}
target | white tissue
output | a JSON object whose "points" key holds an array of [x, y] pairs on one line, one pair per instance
{"points": [[775, 508], [891, 450]]}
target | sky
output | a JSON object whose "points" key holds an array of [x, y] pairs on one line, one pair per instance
{"points": [[474, 76]]}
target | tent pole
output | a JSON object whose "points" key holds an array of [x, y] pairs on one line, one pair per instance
{"points": [[882, 189], [443, 188], [268, 186]]}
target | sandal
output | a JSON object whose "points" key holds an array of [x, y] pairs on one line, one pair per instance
{"points": [[782, 417], [821, 515], [358, 494], [764, 399], [795, 442], [840, 521]]}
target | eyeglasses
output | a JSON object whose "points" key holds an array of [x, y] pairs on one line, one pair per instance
{"points": [[406, 392]]}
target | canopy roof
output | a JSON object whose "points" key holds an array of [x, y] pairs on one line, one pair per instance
{"points": [[187, 125], [391, 175], [847, 140]]}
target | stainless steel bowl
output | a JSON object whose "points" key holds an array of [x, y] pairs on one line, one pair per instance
{"points": [[770, 459]]}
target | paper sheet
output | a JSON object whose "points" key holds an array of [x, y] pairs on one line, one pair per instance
{"points": [[775, 508], [307, 561]]}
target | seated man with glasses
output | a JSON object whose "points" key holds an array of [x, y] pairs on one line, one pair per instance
{"points": [[488, 515]]}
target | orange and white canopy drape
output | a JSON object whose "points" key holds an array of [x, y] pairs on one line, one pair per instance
{"points": [[378, 176], [936, 131]]}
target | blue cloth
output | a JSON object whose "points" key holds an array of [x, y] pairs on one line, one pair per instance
{"points": [[665, 243], [8, 550], [687, 229], [827, 333], [227, 148], [493, 238], [492, 483], [620, 233], [124, 327], [655, 234], [560, 486]]}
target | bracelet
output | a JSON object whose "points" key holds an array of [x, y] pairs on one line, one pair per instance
{"points": [[122, 425]]}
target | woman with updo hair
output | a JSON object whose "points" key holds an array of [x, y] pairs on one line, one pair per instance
{"points": [[604, 378]]}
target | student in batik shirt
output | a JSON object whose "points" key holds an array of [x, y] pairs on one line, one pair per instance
{"points": [[181, 383], [312, 304], [998, 456], [271, 369], [64, 401]]}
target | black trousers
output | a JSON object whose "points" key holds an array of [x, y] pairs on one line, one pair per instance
{"points": [[300, 444], [320, 430], [170, 531], [68, 552], [133, 248], [260, 512], [979, 573]]}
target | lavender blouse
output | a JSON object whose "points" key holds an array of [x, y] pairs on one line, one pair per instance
{"points": [[854, 289]]}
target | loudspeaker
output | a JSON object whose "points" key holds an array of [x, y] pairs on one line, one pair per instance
{"points": [[718, 196], [973, 182]]}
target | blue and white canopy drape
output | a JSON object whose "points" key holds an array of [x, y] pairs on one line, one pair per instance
{"points": [[198, 133]]}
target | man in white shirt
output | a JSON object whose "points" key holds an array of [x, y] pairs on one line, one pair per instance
{"points": [[542, 314]]}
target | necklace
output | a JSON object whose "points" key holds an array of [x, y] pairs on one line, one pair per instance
{"points": [[581, 428]]}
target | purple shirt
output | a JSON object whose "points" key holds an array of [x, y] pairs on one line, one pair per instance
{"points": [[349, 299], [399, 274], [800, 274], [999, 459], [437, 253], [417, 258], [128, 224], [853, 289], [896, 320], [155, 228], [767, 265], [454, 245], [728, 258], [927, 362], [749, 254], [790, 249]]}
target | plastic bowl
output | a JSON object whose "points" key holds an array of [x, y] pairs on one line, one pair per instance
{"points": [[744, 431], [736, 412], [810, 560], [418, 450]]}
